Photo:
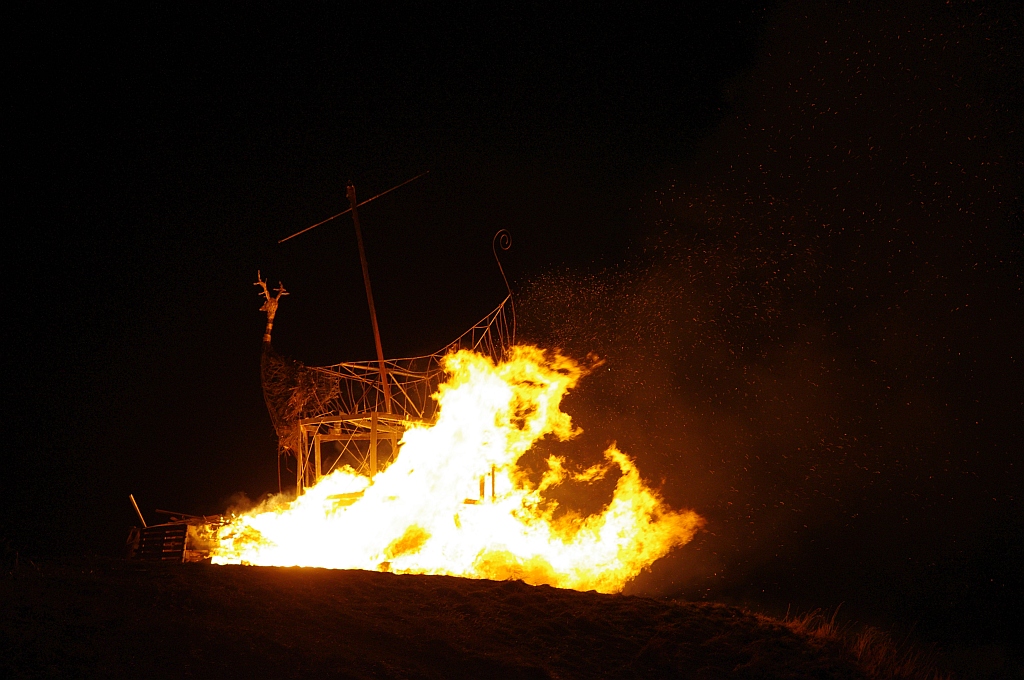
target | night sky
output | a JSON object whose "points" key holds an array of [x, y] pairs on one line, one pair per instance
{"points": [[793, 233]]}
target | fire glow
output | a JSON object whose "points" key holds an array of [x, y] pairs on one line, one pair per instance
{"points": [[414, 517]]}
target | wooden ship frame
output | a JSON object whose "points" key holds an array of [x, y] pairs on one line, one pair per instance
{"points": [[360, 407], [325, 417]]}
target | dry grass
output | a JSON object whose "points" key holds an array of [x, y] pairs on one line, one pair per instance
{"points": [[877, 654]]}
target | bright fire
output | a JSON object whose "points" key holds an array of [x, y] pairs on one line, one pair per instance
{"points": [[414, 517]]}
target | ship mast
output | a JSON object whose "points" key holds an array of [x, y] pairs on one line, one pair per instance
{"points": [[386, 423], [350, 192]]}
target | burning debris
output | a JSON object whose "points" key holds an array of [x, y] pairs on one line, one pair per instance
{"points": [[448, 496], [415, 517], [182, 538]]}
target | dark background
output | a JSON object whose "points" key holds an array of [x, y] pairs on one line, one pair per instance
{"points": [[793, 232]]}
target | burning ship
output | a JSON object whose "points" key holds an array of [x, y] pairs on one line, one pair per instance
{"points": [[360, 408], [411, 466]]}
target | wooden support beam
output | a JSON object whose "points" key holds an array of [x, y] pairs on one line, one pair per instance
{"points": [[385, 422], [344, 437], [300, 459], [176, 514], [316, 453], [373, 444]]}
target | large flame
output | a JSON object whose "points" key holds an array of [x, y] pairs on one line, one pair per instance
{"points": [[414, 517]]}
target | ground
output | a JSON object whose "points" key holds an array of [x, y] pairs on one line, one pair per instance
{"points": [[112, 618]]}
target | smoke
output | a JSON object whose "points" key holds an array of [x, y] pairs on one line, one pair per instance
{"points": [[816, 345], [722, 390]]}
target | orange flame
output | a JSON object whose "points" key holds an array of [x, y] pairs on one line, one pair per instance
{"points": [[414, 518]]}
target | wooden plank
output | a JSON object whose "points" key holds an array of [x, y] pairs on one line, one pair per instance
{"points": [[358, 418]]}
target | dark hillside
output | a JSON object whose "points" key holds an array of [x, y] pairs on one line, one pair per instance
{"points": [[118, 619]]}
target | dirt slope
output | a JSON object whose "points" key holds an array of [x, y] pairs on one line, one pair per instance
{"points": [[118, 619]]}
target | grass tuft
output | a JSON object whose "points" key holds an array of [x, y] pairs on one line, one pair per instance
{"points": [[877, 654]]}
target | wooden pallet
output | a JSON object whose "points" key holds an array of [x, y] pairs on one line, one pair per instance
{"points": [[160, 543]]}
